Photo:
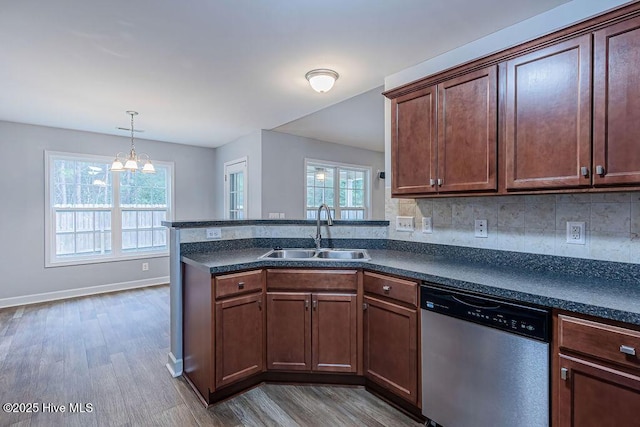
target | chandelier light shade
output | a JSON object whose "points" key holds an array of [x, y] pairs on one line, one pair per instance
{"points": [[322, 79], [133, 160]]}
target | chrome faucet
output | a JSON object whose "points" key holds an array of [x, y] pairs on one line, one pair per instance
{"points": [[318, 238]]}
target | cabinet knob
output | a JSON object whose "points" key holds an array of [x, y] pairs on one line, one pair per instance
{"points": [[432, 182], [440, 182], [584, 171], [600, 170], [315, 304], [240, 285], [564, 374], [306, 304], [260, 305], [386, 288], [627, 350]]}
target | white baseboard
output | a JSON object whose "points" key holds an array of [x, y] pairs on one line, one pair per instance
{"points": [[174, 365], [79, 292]]}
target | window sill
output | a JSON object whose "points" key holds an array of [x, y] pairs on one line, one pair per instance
{"points": [[88, 260]]}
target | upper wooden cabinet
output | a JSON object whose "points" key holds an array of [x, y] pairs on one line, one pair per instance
{"points": [[413, 143], [557, 114], [548, 117], [616, 97], [444, 136], [467, 132]]}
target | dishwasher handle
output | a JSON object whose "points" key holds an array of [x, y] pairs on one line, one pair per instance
{"points": [[476, 303]]}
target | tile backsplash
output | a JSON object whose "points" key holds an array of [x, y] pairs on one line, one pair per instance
{"points": [[534, 224]]}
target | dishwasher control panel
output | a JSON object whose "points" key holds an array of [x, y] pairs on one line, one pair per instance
{"points": [[528, 321]]}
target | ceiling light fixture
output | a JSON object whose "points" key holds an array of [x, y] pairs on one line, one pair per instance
{"points": [[322, 79], [122, 163]]}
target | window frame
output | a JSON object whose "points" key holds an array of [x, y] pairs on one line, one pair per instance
{"points": [[117, 253], [338, 166], [234, 166]]}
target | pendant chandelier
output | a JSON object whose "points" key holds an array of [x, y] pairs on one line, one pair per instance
{"points": [[133, 161]]}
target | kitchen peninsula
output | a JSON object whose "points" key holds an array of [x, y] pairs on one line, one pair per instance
{"points": [[594, 290]]}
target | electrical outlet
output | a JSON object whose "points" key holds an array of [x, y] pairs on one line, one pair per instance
{"points": [[576, 233], [273, 215], [427, 227], [481, 228], [214, 233], [404, 223], [145, 266]]}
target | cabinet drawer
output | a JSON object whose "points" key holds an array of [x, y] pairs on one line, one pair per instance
{"points": [[238, 283], [312, 280], [600, 340], [391, 287]]}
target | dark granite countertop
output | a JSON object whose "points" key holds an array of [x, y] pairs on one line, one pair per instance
{"points": [[243, 222], [602, 297]]}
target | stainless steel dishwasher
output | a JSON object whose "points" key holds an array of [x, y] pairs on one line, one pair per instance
{"points": [[485, 362]]}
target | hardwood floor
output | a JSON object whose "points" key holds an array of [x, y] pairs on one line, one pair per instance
{"points": [[110, 351]]}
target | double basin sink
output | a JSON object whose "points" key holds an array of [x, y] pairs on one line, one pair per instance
{"points": [[318, 254]]}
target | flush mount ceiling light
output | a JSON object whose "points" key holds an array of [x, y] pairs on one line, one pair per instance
{"points": [[131, 163], [322, 79]]}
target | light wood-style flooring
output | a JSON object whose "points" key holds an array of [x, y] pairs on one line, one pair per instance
{"points": [[110, 350]]}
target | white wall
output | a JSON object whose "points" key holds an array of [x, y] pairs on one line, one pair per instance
{"points": [[22, 209], [283, 171], [249, 146], [535, 224]]}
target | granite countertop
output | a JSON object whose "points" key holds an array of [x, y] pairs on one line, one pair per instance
{"points": [[610, 299]]}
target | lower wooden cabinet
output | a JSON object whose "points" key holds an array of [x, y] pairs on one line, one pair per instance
{"points": [[391, 347], [239, 338], [594, 394], [391, 334], [311, 332], [597, 374]]}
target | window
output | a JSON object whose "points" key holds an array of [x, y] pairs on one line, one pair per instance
{"points": [[344, 188], [96, 215], [235, 189]]}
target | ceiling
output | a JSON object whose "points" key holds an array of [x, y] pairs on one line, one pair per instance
{"points": [[205, 72]]}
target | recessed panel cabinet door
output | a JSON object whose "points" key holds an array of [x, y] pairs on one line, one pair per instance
{"points": [[335, 346], [616, 97], [289, 331], [595, 395], [239, 338], [548, 117], [391, 347], [413, 142], [467, 132]]}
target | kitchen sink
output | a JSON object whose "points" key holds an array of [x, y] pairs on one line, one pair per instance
{"points": [[313, 254], [290, 253], [343, 254]]}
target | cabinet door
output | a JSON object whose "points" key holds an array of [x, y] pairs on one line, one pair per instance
{"points": [[595, 395], [390, 347], [548, 117], [616, 98], [239, 338], [467, 132], [289, 331], [335, 336], [413, 142]]}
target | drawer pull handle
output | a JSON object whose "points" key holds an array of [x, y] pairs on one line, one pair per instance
{"points": [[386, 288], [240, 285], [627, 350]]}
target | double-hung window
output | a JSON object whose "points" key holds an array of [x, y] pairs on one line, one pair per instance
{"points": [[344, 188], [96, 215]]}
